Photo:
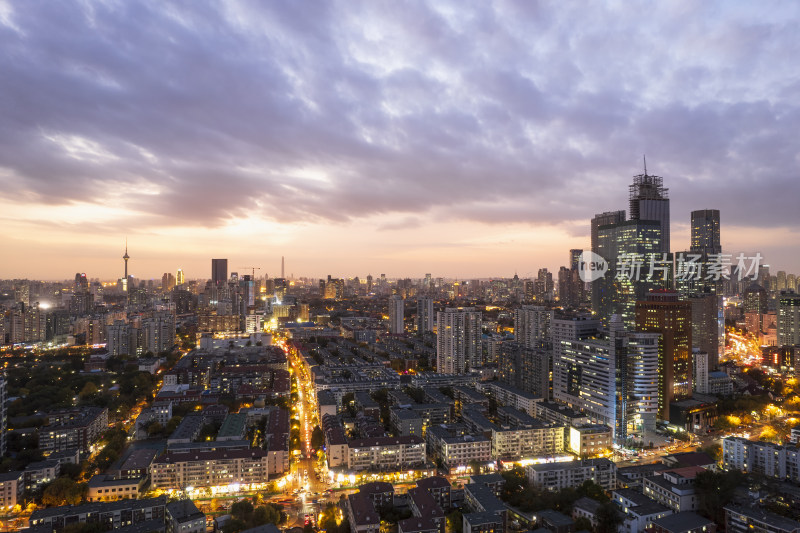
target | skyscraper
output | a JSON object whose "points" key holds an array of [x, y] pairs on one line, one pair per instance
{"points": [[633, 242], [532, 325], [706, 231], [789, 319], [458, 340], [662, 312], [611, 375], [396, 314], [604, 219], [424, 315], [649, 201], [180, 279], [219, 271]]}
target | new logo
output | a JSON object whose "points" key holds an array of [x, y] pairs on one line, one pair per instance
{"points": [[591, 266]]}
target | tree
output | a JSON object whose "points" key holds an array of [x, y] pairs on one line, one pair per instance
{"points": [[242, 510], [64, 491], [455, 522], [608, 518], [317, 438], [88, 391]]}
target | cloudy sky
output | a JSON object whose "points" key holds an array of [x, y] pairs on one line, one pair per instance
{"points": [[458, 138]]}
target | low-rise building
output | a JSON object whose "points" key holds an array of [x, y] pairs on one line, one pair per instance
{"points": [[104, 488], [639, 510], [589, 440], [40, 473], [386, 453], [183, 516], [209, 468], [440, 489], [674, 488], [380, 493], [405, 421], [75, 428], [740, 519], [558, 476], [362, 514], [12, 485], [455, 449], [685, 522], [108, 515]]}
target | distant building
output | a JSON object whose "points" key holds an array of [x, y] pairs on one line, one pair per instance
{"points": [[458, 340]]}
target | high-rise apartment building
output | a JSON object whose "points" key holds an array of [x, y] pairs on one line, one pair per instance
{"points": [[662, 312], [458, 340], [424, 315], [158, 332], [528, 369], [532, 325], [396, 314], [788, 318], [219, 271]]}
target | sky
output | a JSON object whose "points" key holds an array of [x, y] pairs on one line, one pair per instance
{"points": [[464, 139]]}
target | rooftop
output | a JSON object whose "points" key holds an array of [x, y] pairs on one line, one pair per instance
{"points": [[681, 522]]}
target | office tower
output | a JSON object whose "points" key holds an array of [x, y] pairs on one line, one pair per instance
{"points": [[158, 332], [700, 367], [628, 247], [396, 314], [167, 281], [662, 312], [574, 258], [180, 279], [706, 231], [219, 271], [427, 283], [791, 282], [642, 383], [424, 315], [649, 201], [532, 325], [458, 340], [3, 415], [611, 375], [789, 319], [528, 369], [754, 305], [705, 325], [369, 283], [604, 219]]}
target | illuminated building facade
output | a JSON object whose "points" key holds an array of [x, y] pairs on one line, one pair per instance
{"points": [[664, 313]]}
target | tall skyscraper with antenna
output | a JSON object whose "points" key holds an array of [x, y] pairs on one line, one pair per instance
{"points": [[649, 201]]}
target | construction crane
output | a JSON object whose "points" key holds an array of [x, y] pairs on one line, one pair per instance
{"points": [[253, 277]]}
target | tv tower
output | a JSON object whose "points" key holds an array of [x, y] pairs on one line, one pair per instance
{"points": [[126, 257]]}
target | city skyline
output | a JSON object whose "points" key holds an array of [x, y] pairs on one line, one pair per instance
{"points": [[470, 142]]}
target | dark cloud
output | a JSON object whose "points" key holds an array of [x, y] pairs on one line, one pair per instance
{"points": [[504, 112]]}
